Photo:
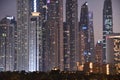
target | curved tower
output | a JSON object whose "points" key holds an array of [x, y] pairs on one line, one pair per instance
{"points": [[84, 33]]}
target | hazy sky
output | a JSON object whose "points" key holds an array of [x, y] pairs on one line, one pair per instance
{"points": [[8, 7]]}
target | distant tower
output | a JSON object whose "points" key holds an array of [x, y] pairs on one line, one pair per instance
{"points": [[71, 50], [99, 52], [29, 35], [91, 36], [84, 34], [8, 44], [54, 35], [107, 23]]}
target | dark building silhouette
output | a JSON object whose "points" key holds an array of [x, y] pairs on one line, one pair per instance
{"points": [[107, 24], [54, 54], [71, 43], [91, 36], [84, 34]]}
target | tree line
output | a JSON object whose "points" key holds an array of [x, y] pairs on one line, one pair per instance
{"points": [[55, 75]]}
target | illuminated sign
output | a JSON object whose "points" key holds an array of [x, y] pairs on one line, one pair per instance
{"points": [[107, 69], [84, 27], [35, 13]]}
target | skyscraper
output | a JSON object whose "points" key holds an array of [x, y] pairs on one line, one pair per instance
{"points": [[99, 52], [7, 44], [71, 43], [54, 54], [107, 23], [45, 35], [91, 36], [113, 52], [84, 34], [29, 35]]}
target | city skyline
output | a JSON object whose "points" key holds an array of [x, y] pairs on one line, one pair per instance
{"points": [[8, 7], [50, 34]]}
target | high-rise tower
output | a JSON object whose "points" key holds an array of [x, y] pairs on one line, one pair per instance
{"points": [[54, 54], [107, 23], [8, 44], [99, 52], [71, 45], [91, 36], [113, 52], [29, 35], [84, 34]]}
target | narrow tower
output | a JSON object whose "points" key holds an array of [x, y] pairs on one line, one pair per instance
{"points": [[84, 34], [107, 24], [54, 35], [8, 44], [29, 35], [71, 48]]}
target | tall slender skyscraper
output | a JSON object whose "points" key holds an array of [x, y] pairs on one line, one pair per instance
{"points": [[29, 35], [54, 55], [7, 44], [71, 43], [107, 23], [45, 36], [84, 34], [91, 36]]}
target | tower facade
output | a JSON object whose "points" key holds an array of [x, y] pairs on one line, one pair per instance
{"points": [[54, 55], [8, 44], [91, 36], [84, 34], [29, 35], [107, 23], [99, 52], [113, 52], [71, 45]]}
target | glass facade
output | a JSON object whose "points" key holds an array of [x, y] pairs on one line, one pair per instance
{"points": [[107, 23], [29, 32], [84, 34], [8, 43], [91, 36], [54, 35], [71, 43]]}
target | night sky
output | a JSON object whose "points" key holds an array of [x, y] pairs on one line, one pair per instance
{"points": [[8, 7]]}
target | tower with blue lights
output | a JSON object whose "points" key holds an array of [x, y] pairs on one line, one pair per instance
{"points": [[107, 24], [91, 36], [84, 34]]}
